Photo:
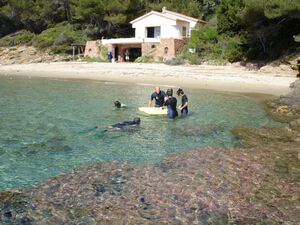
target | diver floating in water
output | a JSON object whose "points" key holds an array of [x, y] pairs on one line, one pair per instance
{"points": [[119, 105], [124, 126]]}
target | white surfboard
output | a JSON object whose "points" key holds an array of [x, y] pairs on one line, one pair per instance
{"points": [[154, 110]]}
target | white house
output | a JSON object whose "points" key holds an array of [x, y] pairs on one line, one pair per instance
{"points": [[165, 24], [159, 34]]}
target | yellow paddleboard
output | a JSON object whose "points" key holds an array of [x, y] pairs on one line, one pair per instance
{"points": [[154, 110]]}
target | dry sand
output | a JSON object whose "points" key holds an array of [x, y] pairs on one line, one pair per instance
{"points": [[223, 78]]}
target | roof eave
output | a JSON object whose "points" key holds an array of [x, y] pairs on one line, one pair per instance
{"points": [[152, 12]]}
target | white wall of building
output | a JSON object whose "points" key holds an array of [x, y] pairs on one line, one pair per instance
{"points": [[168, 27], [192, 26], [180, 25]]}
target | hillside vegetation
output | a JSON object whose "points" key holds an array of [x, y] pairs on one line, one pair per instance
{"points": [[236, 30]]}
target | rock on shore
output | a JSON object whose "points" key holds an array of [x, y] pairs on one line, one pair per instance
{"points": [[27, 54]]}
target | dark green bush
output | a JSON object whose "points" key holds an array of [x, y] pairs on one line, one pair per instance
{"points": [[232, 50], [59, 37], [203, 35], [61, 49]]}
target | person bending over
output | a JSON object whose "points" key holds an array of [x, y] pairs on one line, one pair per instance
{"points": [[159, 97], [171, 103], [184, 102]]}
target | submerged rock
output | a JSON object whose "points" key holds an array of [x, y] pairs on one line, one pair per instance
{"points": [[201, 131], [295, 125], [254, 185], [251, 137]]}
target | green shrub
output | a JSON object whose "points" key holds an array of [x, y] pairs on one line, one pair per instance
{"points": [[203, 35], [191, 58], [93, 59], [103, 53], [60, 49], [232, 50], [59, 37], [21, 38], [297, 38], [195, 59], [144, 59], [175, 61]]}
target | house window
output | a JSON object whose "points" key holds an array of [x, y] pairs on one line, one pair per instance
{"points": [[166, 50], [183, 33], [153, 32]]}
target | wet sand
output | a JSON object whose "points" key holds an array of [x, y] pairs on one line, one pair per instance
{"points": [[222, 78]]}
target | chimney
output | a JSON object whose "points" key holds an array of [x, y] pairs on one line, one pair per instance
{"points": [[164, 9]]}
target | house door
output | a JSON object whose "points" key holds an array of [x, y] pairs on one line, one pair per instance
{"points": [[134, 53], [117, 52]]}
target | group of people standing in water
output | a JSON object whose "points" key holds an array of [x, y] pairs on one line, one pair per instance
{"points": [[167, 99], [162, 99]]}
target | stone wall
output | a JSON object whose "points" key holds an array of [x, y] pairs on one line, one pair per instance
{"points": [[166, 49], [92, 48], [180, 44]]}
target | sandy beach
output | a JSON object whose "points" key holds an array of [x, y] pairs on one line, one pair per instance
{"points": [[222, 78]]}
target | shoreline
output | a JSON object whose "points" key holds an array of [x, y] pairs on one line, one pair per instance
{"points": [[220, 78]]}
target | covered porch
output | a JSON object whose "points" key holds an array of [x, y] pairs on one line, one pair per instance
{"points": [[125, 52], [125, 49]]}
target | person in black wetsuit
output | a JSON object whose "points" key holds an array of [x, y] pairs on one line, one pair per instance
{"points": [[119, 105], [126, 124], [159, 97], [184, 102], [171, 103]]}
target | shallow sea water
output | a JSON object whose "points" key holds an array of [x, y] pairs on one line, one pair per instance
{"points": [[44, 124]]}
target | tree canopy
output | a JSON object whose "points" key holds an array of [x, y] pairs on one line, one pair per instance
{"points": [[257, 28]]}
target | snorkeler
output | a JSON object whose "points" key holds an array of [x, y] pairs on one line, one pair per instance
{"points": [[184, 102], [99, 131], [171, 103], [119, 105], [126, 124]]}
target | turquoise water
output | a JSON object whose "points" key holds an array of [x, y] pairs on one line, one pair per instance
{"points": [[42, 124]]}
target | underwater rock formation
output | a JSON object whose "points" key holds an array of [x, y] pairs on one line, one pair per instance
{"points": [[255, 183], [287, 108]]}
